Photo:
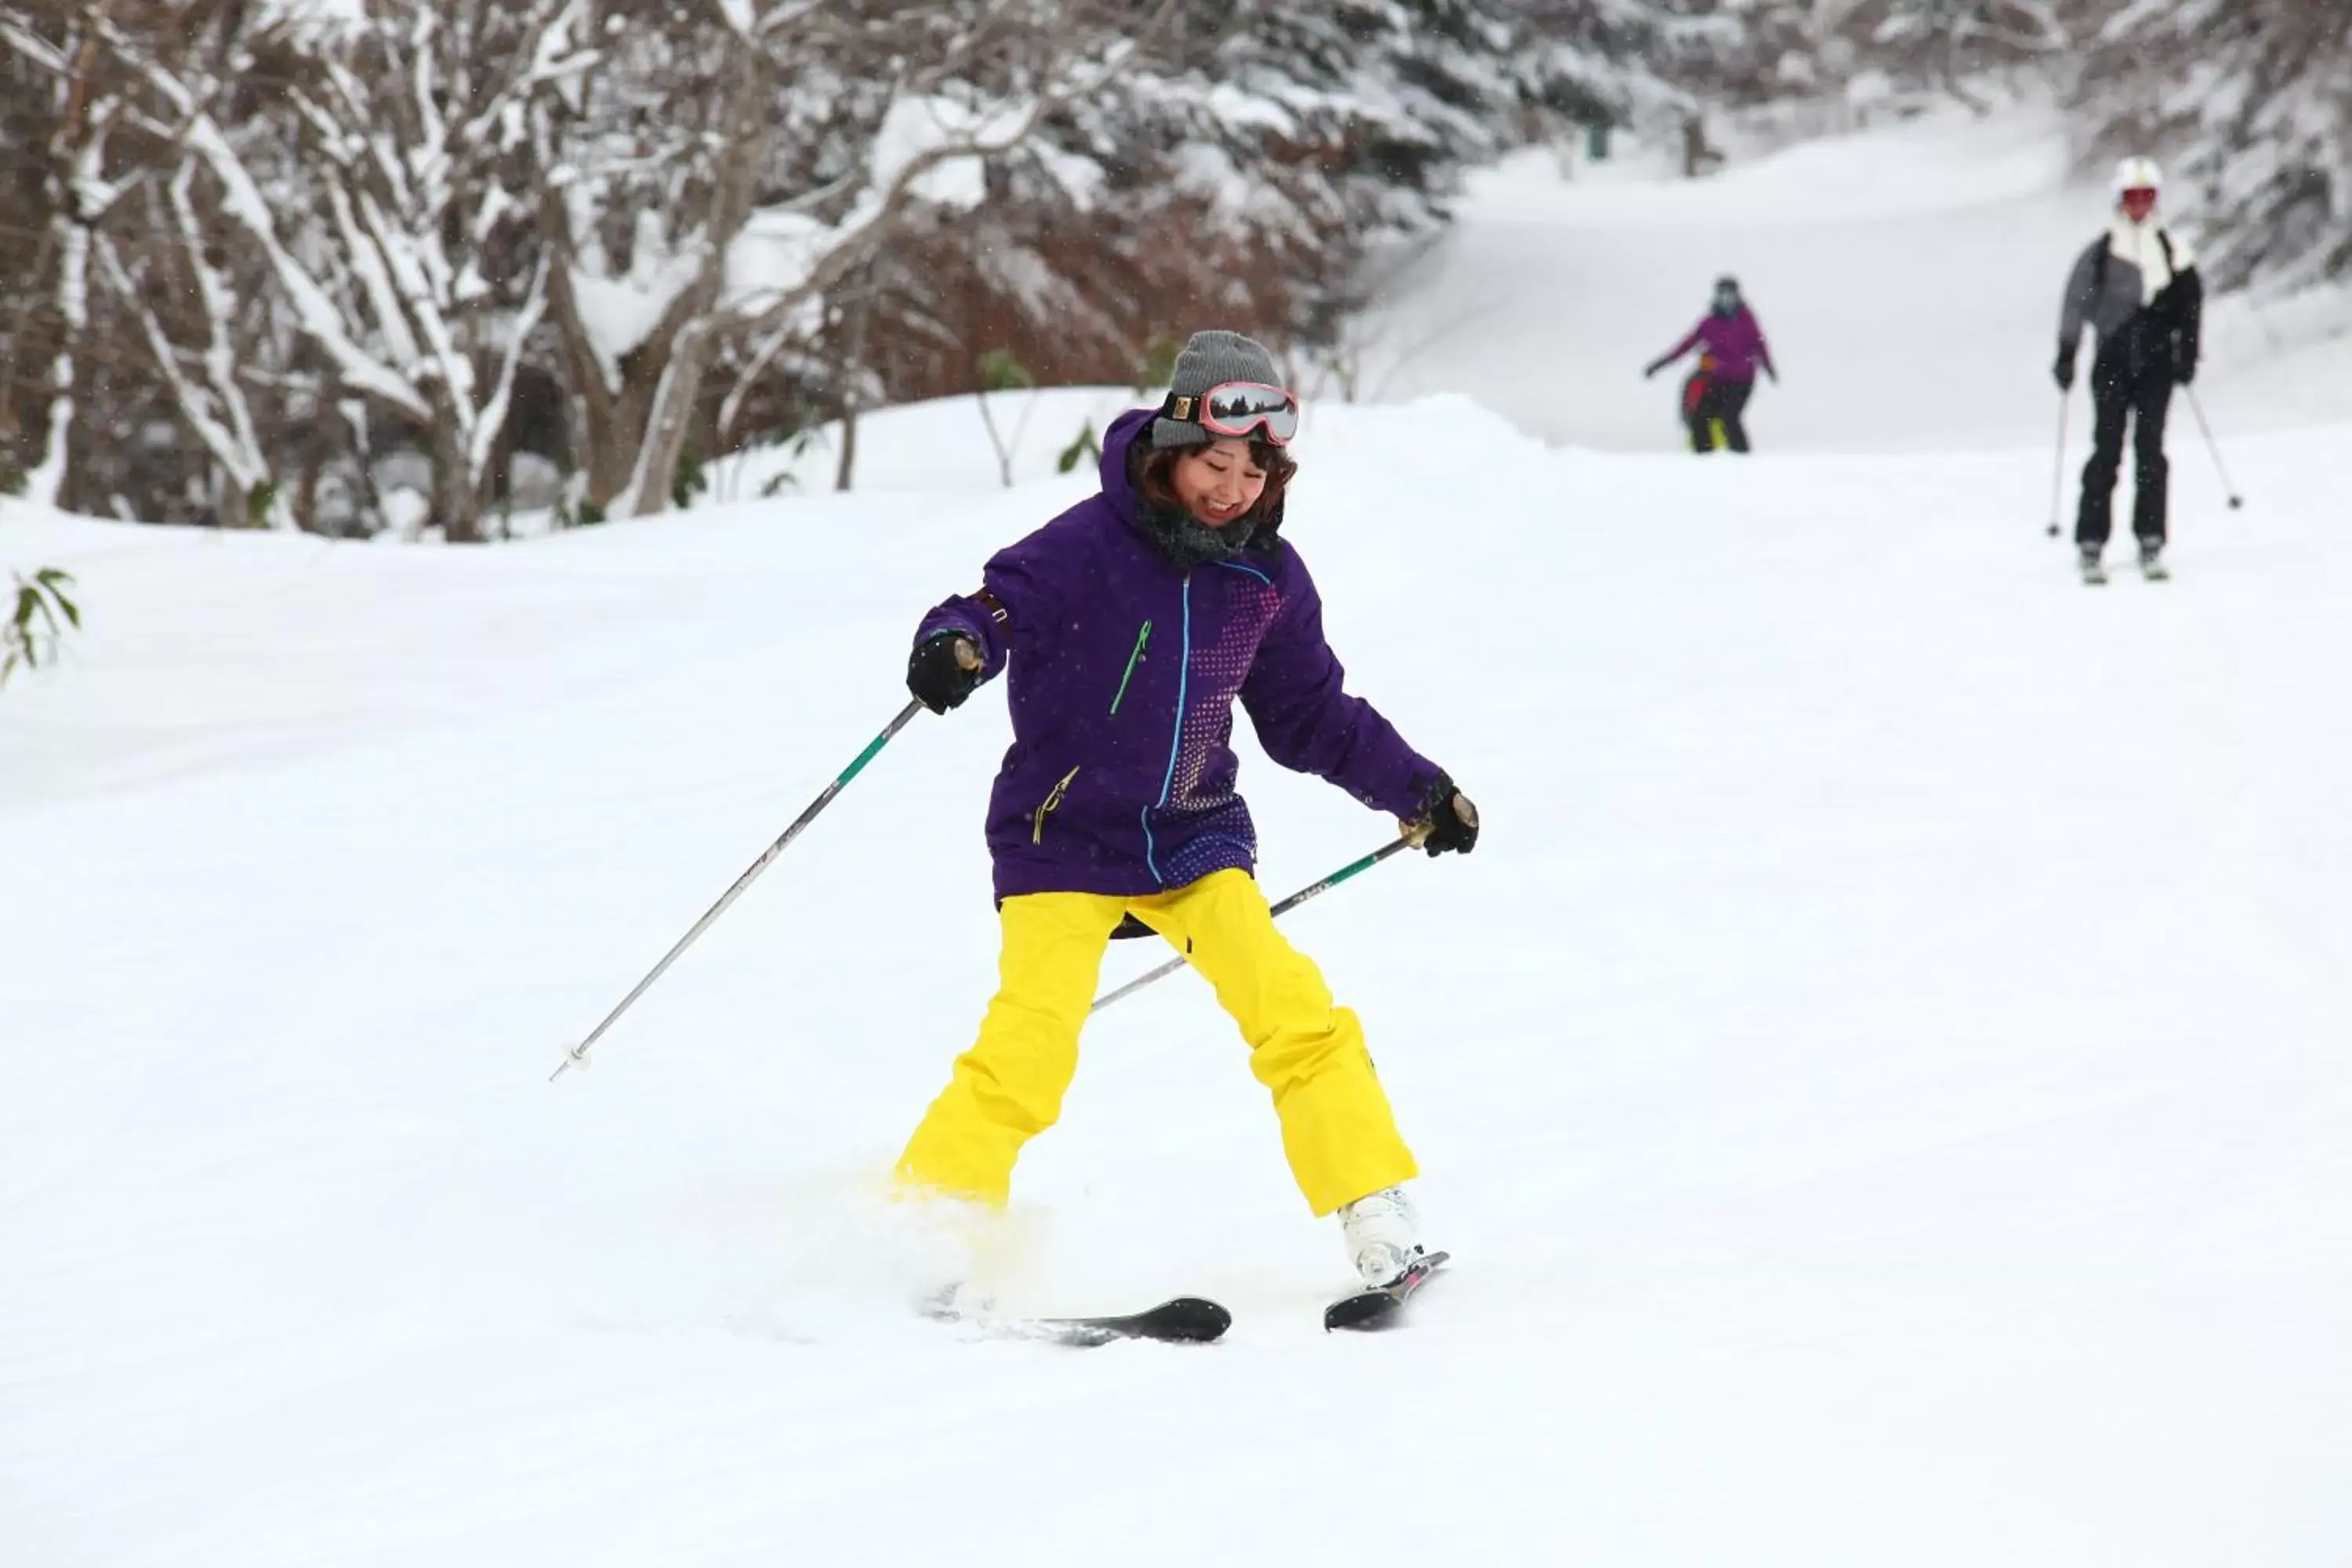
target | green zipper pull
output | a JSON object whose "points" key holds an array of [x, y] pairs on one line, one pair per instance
{"points": [[1141, 639]]}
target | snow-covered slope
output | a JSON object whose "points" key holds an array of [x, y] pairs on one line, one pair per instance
{"points": [[1908, 278], [1883, 1075]]}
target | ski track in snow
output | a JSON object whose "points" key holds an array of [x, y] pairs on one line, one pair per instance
{"points": [[1882, 1077]]}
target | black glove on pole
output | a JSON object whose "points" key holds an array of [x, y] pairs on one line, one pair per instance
{"points": [[943, 671], [2064, 370], [1447, 821]]}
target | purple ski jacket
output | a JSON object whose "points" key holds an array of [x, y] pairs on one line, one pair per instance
{"points": [[1737, 341], [1124, 668]]}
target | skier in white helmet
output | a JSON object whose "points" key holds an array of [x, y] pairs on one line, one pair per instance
{"points": [[2136, 287]]}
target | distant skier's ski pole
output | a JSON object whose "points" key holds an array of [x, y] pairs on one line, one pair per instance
{"points": [[2058, 474], [2236, 500], [579, 1053], [1292, 902]]}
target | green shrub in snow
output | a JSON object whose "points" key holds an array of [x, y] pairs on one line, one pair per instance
{"points": [[689, 481], [34, 631], [1083, 449]]}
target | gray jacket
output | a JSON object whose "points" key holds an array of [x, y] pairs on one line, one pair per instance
{"points": [[2106, 292]]}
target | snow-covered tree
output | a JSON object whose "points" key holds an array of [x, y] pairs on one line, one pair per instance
{"points": [[1241, 169], [188, 311], [1634, 61], [1246, 168], [1942, 43], [112, 408], [735, 163], [71, 108], [374, 190], [1736, 54], [2248, 103], [274, 239]]}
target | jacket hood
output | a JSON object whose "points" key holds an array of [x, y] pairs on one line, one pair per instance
{"points": [[1117, 442]]}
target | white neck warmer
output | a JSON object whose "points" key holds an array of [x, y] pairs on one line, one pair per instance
{"points": [[2139, 244]]}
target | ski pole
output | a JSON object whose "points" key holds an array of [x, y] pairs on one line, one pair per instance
{"points": [[2058, 473], [579, 1053], [1292, 902], [2236, 500]]}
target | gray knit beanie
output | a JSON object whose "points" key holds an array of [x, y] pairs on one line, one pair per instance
{"points": [[1211, 359]]}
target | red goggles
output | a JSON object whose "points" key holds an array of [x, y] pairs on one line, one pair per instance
{"points": [[1238, 408], [2140, 201]]}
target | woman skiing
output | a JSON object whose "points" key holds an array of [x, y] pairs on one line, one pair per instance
{"points": [[1129, 625], [1731, 347], [2136, 287]]}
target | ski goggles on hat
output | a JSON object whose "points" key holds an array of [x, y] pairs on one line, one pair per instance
{"points": [[1238, 408]]}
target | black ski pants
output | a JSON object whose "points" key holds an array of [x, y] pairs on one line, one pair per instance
{"points": [[1720, 401], [2125, 387]]}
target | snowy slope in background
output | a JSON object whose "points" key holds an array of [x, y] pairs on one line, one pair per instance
{"points": [[1908, 279], [1883, 1075]]}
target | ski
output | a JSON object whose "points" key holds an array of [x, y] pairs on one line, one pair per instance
{"points": [[1383, 1308], [1183, 1319]]}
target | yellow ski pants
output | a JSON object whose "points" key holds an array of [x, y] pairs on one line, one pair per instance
{"points": [[1337, 1128]]}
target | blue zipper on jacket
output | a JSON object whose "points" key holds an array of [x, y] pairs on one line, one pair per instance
{"points": [[1175, 743]]}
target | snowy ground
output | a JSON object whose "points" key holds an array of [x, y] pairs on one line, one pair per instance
{"points": [[1883, 1075]]}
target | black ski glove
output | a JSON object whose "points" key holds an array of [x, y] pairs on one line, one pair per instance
{"points": [[1652, 369], [2064, 370], [943, 671], [2184, 365], [1447, 820]]}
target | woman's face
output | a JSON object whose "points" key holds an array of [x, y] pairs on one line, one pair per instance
{"points": [[1219, 483]]}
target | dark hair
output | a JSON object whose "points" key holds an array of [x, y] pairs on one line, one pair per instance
{"points": [[1155, 478]]}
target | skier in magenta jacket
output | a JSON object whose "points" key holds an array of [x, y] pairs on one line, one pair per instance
{"points": [[1732, 348], [1128, 626]]}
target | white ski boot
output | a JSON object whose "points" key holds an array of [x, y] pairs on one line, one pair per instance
{"points": [[2093, 572], [2151, 562], [1383, 1235]]}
